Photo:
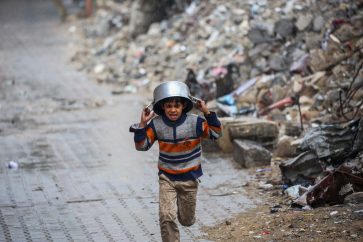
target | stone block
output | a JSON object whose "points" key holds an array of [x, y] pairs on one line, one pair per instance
{"points": [[225, 142], [250, 154], [256, 130], [263, 131]]}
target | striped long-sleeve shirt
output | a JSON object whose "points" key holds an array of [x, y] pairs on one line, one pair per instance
{"points": [[179, 143]]}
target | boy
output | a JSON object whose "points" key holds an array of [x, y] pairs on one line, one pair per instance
{"points": [[179, 136]]}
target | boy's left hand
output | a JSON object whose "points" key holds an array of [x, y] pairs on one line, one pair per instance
{"points": [[146, 116], [201, 105]]}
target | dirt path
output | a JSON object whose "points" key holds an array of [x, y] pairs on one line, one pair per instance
{"points": [[276, 220]]}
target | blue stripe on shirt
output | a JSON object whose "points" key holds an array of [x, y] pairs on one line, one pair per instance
{"points": [[140, 135], [191, 175], [180, 161], [212, 119]]}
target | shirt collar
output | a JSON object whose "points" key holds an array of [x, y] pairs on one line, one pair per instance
{"points": [[178, 122]]}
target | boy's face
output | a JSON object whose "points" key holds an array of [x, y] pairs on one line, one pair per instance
{"points": [[173, 110]]}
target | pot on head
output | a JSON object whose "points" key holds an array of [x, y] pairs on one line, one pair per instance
{"points": [[171, 89]]}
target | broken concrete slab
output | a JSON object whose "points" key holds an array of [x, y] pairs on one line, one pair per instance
{"points": [[302, 169], [334, 143], [260, 130], [250, 154], [254, 129]]}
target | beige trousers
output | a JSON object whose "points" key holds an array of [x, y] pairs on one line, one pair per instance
{"points": [[177, 199]]}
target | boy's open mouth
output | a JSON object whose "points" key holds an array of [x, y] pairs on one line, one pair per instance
{"points": [[173, 116]]}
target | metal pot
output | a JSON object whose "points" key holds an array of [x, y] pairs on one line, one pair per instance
{"points": [[172, 89]]}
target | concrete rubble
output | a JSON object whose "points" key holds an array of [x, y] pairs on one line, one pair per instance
{"points": [[249, 153], [283, 75]]}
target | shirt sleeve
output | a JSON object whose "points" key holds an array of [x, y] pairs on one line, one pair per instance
{"points": [[145, 137], [209, 127]]}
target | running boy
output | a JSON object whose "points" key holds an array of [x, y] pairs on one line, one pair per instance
{"points": [[179, 136]]}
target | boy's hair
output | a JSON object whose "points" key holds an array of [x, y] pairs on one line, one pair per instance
{"points": [[172, 99]]}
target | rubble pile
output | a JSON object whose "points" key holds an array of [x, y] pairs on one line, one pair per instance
{"points": [[248, 54], [330, 166], [285, 67]]}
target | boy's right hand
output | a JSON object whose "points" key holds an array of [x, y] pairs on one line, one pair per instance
{"points": [[146, 116]]}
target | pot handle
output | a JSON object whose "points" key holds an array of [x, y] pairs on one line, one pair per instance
{"points": [[194, 99], [148, 109]]}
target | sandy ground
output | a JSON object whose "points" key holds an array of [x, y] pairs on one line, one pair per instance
{"points": [[276, 220]]}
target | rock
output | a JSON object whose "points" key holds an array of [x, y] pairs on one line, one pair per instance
{"points": [[303, 22], [98, 69], [267, 25], [321, 60], [261, 63], [300, 66], [259, 36], [333, 142], [297, 85], [285, 28], [250, 154], [297, 53], [345, 32], [302, 169], [214, 40], [265, 186], [354, 198], [284, 147], [277, 62], [312, 40], [144, 13], [295, 191], [318, 23], [263, 98], [277, 115], [257, 50], [292, 129]]}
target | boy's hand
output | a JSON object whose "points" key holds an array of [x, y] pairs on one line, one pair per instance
{"points": [[203, 107], [146, 116]]}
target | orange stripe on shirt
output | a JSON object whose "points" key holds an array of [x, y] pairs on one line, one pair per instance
{"points": [[207, 128], [179, 147], [150, 134], [215, 129]]}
